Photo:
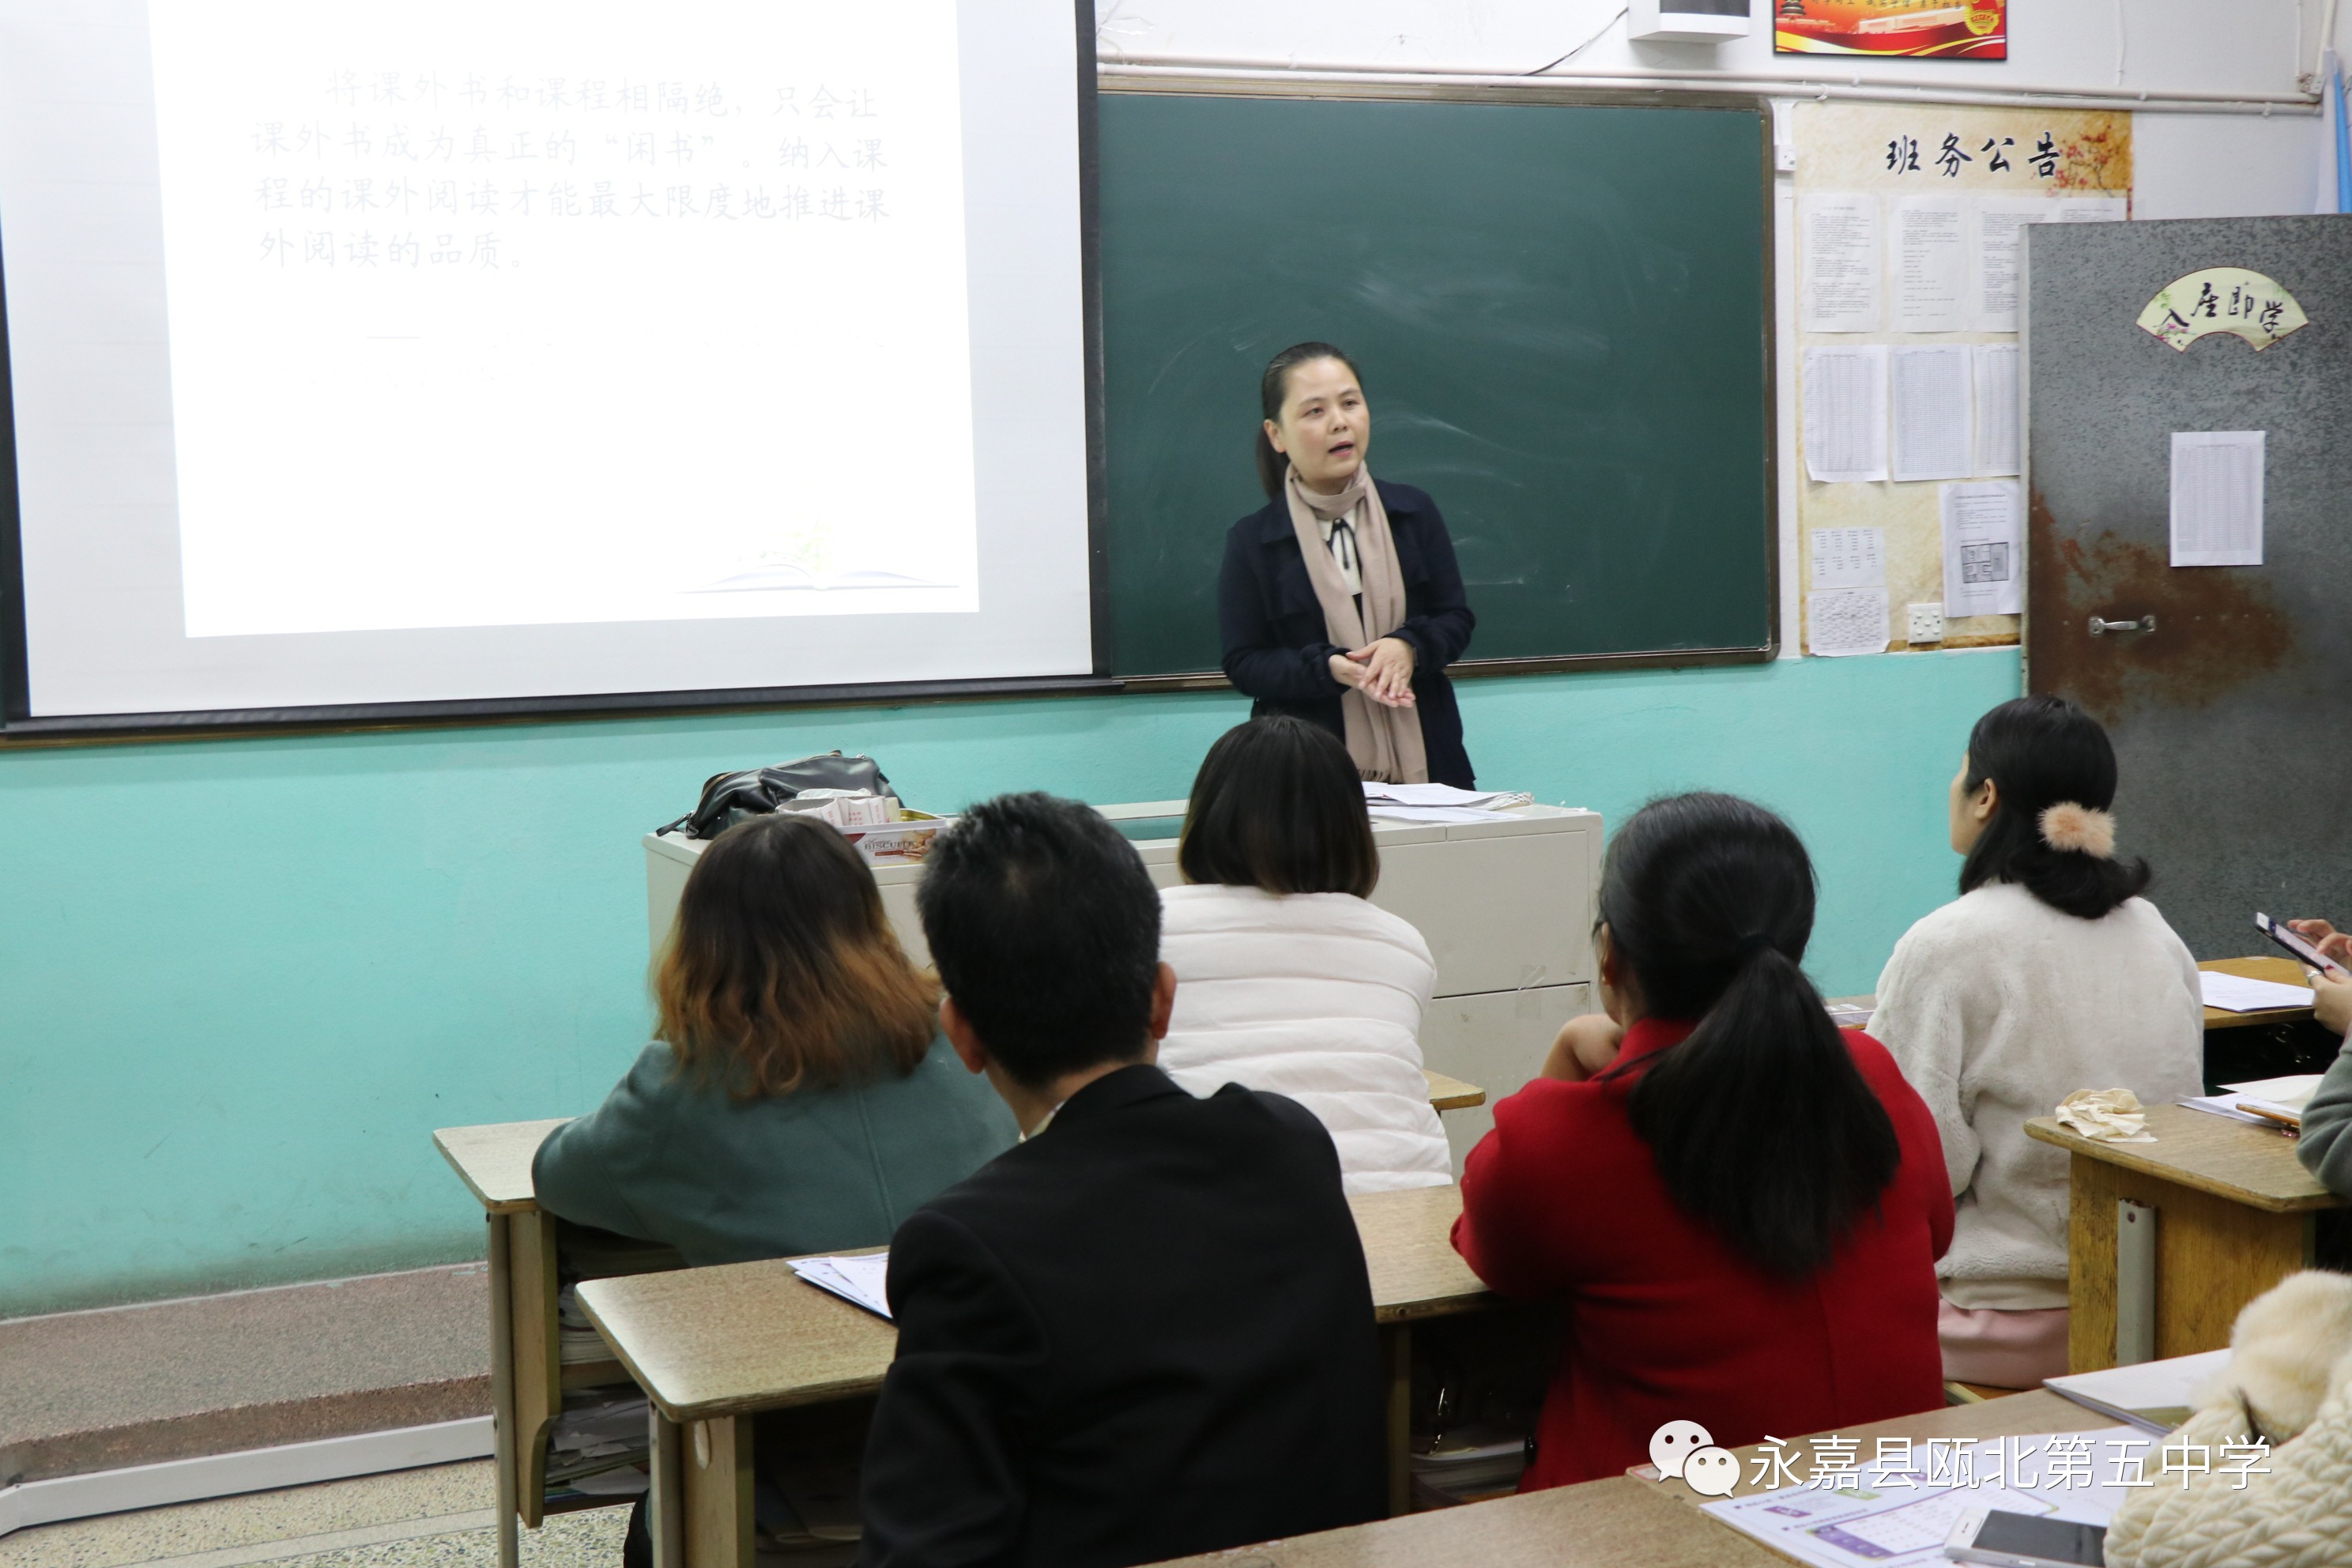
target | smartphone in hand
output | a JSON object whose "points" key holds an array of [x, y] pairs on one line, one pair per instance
{"points": [[2286, 937]]}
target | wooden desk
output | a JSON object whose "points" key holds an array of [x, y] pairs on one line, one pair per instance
{"points": [[2019, 1415], [714, 1346], [1601, 1525], [1451, 1093], [528, 1376], [2285, 971], [1635, 1519], [2235, 1215]]}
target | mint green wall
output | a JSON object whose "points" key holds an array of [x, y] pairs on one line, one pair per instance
{"points": [[243, 979]]}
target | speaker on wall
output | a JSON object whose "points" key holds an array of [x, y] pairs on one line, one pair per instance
{"points": [[1685, 21]]}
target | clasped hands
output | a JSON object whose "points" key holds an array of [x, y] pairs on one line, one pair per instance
{"points": [[2331, 995], [1381, 671]]}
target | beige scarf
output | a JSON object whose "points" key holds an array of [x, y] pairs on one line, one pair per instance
{"points": [[1384, 741]]}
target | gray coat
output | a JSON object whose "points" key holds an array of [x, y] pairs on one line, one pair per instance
{"points": [[2325, 1146]]}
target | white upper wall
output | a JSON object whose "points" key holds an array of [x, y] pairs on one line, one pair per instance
{"points": [[2187, 164], [2218, 165], [2206, 47]]}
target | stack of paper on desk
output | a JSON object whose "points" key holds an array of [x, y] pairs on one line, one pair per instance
{"points": [[2292, 1092], [1380, 812], [2154, 1395], [1438, 802], [859, 1280], [2280, 1096], [2236, 994], [1442, 795]]}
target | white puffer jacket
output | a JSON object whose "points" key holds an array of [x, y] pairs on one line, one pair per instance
{"points": [[2290, 1381], [1318, 996]]}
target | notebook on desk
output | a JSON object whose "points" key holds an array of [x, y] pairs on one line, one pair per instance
{"points": [[2153, 1395], [2239, 994], [2267, 1101]]}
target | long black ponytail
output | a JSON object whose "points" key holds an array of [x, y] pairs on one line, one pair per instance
{"points": [[1272, 388], [1761, 1125]]}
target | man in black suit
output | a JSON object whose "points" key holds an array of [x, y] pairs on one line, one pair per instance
{"points": [[1147, 1330]]}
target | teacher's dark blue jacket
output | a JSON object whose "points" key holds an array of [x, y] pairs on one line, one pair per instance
{"points": [[1278, 650]]}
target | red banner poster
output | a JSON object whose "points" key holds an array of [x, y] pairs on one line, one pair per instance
{"points": [[1945, 30]]}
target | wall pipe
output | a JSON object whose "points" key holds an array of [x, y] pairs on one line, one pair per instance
{"points": [[1218, 71]]}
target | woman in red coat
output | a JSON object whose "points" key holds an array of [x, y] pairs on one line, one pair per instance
{"points": [[1740, 1205]]}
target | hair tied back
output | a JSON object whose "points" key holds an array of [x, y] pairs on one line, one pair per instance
{"points": [[2081, 829]]}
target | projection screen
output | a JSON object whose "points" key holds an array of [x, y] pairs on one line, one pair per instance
{"points": [[366, 356]]}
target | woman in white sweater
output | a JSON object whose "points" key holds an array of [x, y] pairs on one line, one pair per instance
{"points": [[2048, 974], [1287, 978]]}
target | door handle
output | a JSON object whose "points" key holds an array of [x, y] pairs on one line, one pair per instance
{"points": [[2100, 628]]}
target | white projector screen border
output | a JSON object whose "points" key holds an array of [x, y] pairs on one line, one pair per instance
{"points": [[22, 720]]}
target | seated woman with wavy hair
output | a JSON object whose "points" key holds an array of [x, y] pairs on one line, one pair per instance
{"points": [[797, 1097]]}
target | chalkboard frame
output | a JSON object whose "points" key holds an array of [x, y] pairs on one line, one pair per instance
{"points": [[1189, 83]]}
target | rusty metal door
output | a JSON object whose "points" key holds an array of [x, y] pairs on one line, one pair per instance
{"points": [[2233, 716]]}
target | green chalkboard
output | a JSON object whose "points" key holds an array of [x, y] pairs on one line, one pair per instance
{"points": [[1562, 315]]}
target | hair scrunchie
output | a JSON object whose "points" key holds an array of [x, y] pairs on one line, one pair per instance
{"points": [[2068, 827]]}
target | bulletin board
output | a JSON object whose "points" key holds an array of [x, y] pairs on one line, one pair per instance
{"points": [[1899, 159]]}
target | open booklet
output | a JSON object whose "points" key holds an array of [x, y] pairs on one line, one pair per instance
{"points": [[1896, 1511], [860, 1280], [2278, 1101], [2153, 1395]]}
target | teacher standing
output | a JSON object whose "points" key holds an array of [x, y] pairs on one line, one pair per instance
{"points": [[1339, 602]]}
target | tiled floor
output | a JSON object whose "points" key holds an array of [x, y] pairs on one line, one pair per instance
{"points": [[438, 1517]]}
